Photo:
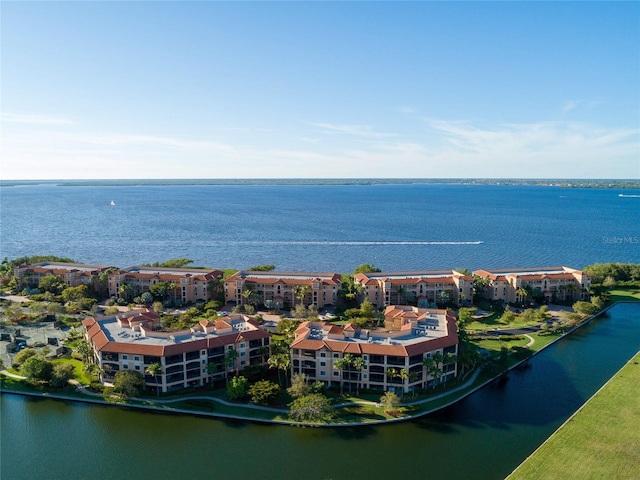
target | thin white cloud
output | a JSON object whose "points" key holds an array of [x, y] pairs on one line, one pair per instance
{"points": [[584, 104], [356, 130], [442, 149], [309, 139], [35, 119], [404, 109]]}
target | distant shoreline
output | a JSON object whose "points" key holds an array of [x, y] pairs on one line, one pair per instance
{"points": [[543, 182]]}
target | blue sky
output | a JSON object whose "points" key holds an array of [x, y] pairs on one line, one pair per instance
{"points": [[320, 90]]}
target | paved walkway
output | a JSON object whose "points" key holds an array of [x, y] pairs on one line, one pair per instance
{"points": [[84, 390]]}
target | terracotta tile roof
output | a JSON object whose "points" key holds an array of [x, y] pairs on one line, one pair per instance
{"points": [[87, 322], [376, 348], [222, 324]]}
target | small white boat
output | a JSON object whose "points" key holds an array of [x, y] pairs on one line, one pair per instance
{"points": [[113, 204]]}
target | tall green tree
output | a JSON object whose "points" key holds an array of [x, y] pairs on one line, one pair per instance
{"points": [[344, 364], [37, 370], [154, 370], [264, 392], [299, 292], [314, 408], [229, 362], [237, 388], [23, 355], [299, 386], [282, 362], [52, 283], [366, 268], [163, 290], [389, 401], [358, 365], [84, 350], [125, 291], [61, 374], [128, 382]]}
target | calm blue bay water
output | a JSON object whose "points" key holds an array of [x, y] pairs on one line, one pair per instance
{"points": [[322, 228]]}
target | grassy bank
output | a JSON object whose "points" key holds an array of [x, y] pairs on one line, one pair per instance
{"points": [[600, 441]]}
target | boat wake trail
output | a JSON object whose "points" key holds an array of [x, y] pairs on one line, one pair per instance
{"points": [[355, 243]]}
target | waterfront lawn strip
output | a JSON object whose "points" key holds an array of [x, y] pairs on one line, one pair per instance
{"points": [[630, 294], [78, 373], [600, 441]]}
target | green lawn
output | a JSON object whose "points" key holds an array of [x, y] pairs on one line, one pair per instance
{"points": [[494, 346], [600, 441], [630, 294], [78, 373], [489, 323]]}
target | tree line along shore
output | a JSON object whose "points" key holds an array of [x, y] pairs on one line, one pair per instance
{"points": [[545, 182]]}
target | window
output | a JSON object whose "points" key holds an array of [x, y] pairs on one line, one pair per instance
{"points": [[364, 375], [322, 354], [125, 366], [137, 358], [243, 354], [243, 345], [323, 373], [336, 355], [323, 364], [137, 367], [124, 357], [336, 374], [243, 362]]}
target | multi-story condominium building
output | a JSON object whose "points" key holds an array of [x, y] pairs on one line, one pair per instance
{"points": [[194, 357], [516, 285], [287, 288], [75, 274], [401, 288], [396, 357], [191, 284]]}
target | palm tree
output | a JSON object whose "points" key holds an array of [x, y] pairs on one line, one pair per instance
{"points": [[84, 350], [154, 370], [247, 295], [212, 368], [90, 369], [343, 365], [412, 378], [401, 294], [264, 353], [358, 364], [572, 289], [448, 359], [404, 375], [433, 367], [230, 361], [392, 373], [461, 298], [281, 361], [300, 291], [125, 291], [522, 293]]}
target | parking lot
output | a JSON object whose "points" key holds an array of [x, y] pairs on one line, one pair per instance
{"points": [[38, 333]]}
